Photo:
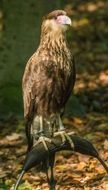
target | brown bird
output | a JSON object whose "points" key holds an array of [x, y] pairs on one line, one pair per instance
{"points": [[48, 81]]}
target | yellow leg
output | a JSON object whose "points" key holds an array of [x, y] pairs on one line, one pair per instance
{"points": [[65, 137], [42, 139]]}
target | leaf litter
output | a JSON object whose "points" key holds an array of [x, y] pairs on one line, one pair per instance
{"points": [[73, 171]]}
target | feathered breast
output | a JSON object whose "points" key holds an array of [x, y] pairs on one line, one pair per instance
{"points": [[48, 79]]}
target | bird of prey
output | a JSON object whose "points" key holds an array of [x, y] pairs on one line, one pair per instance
{"points": [[48, 80]]}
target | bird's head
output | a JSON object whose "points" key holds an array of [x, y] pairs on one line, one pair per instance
{"points": [[56, 22]]}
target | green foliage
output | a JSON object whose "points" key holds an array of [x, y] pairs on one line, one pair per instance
{"points": [[10, 100], [4, 187], [19, 41], [19, 37], [25, 186]]}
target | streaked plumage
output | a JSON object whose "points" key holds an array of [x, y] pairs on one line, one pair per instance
{"points": [[50, 73]]}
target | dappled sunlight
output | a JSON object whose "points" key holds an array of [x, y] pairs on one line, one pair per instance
{"points": [[89, 42], [93, 6], [86, 81], [103, 77], [80, 23]]}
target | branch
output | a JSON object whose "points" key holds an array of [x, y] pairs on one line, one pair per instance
{"points": [[39, 154]]}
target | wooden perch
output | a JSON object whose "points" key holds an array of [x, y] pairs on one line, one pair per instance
{"points": [[39, 154]]}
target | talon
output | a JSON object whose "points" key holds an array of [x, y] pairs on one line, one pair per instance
{"points": [[65, 137], [61, 133], [43, 140], [70, 140]]}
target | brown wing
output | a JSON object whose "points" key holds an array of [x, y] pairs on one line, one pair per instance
{"points": [[39, 81], [28, 83], [70, 82], [46, 87]]}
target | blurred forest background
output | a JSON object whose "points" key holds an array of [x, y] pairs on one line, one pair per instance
{"points": [[88, 114]]}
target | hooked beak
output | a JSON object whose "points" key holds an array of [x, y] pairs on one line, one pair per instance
{"points": [[63, 19]]}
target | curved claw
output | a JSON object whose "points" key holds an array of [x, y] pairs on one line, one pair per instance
{"points": [[65, 137], [43, 140]]}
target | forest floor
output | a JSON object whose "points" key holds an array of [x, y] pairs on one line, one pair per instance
{"points": [[72, 171]]}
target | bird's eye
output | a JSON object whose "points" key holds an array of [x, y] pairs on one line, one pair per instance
{"points": [[55, 17]]}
